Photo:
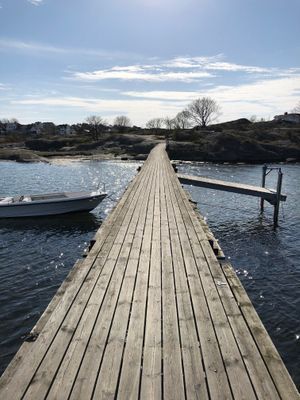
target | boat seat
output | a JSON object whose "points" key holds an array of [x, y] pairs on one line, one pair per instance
{"points": [[7, 200]]}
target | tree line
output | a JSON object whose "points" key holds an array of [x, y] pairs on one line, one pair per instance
{"points": [[200, 112]]}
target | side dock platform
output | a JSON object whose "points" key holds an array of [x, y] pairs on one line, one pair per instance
{"points": [[150, 313]]}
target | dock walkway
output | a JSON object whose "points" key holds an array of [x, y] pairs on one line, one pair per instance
{"points": [[150, 313]]}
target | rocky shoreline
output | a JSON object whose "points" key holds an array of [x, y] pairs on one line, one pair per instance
{"points": [[234, 142]]}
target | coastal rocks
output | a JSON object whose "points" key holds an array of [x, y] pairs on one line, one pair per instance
{"points": [[232, 151], [20, 155]]}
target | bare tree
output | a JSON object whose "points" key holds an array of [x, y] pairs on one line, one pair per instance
{"points": [[182, 120], [155, 123], [297, 108], [169, 123], [9, 120], [122, 121], [203, 111], [97, 125]]}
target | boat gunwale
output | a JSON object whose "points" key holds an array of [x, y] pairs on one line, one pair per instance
{"points": [[51, 201]]}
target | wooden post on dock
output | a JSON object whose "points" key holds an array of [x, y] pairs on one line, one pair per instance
{"points": [[263, 183], [278, 193]]}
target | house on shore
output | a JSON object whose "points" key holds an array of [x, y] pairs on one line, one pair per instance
{"points": [[286, 117], [65, 130], [9, 127]]}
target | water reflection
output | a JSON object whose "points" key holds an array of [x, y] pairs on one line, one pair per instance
{"points": [[82, 222]]}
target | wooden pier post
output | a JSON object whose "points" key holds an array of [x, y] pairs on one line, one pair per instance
{"points": [[263, 183], [278, 193]]}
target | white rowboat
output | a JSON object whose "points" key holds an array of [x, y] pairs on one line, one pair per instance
{"points": [[49, 204]]}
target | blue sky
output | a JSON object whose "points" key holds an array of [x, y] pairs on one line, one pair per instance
{"points": [[62, 60]]}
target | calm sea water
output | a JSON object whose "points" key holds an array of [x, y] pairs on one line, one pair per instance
{"points": [[37, 254]]}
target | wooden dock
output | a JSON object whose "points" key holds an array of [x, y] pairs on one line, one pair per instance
{"points": [[234, 187], [150, 313]]}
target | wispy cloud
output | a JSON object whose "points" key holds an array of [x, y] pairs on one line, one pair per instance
{"points": [[29, 46], [35, 2], [142, 73], [179, 69], [36, 48], [269, 90], [139, 110], [214, 63], [3, 86], [169, 95]]}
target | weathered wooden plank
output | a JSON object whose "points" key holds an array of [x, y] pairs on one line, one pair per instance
{"points": [[132, 360], [106, 386], [173, 375], [239, 380], [195, 379], [217, 379], [151, 378]]}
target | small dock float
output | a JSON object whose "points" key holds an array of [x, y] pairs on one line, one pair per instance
{"points": [[149, 313], [234, 187], [272, 196]]}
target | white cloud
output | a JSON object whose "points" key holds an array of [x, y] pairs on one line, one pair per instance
{"points": [[264, 97], [35, 2], [3, 86], [213, 63], [169, 95], [270, 90], [225, 66], [179, 69], [141, 73], [210, 63]]}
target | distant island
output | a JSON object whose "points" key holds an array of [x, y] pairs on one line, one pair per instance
{"points": [[241, 140]]}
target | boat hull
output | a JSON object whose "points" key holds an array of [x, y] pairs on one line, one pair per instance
{"points": [[44, 208]]}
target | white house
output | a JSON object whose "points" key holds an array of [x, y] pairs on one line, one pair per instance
{"points": [[64, 129], [36, 128], [292, 117], [11, 126]]}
